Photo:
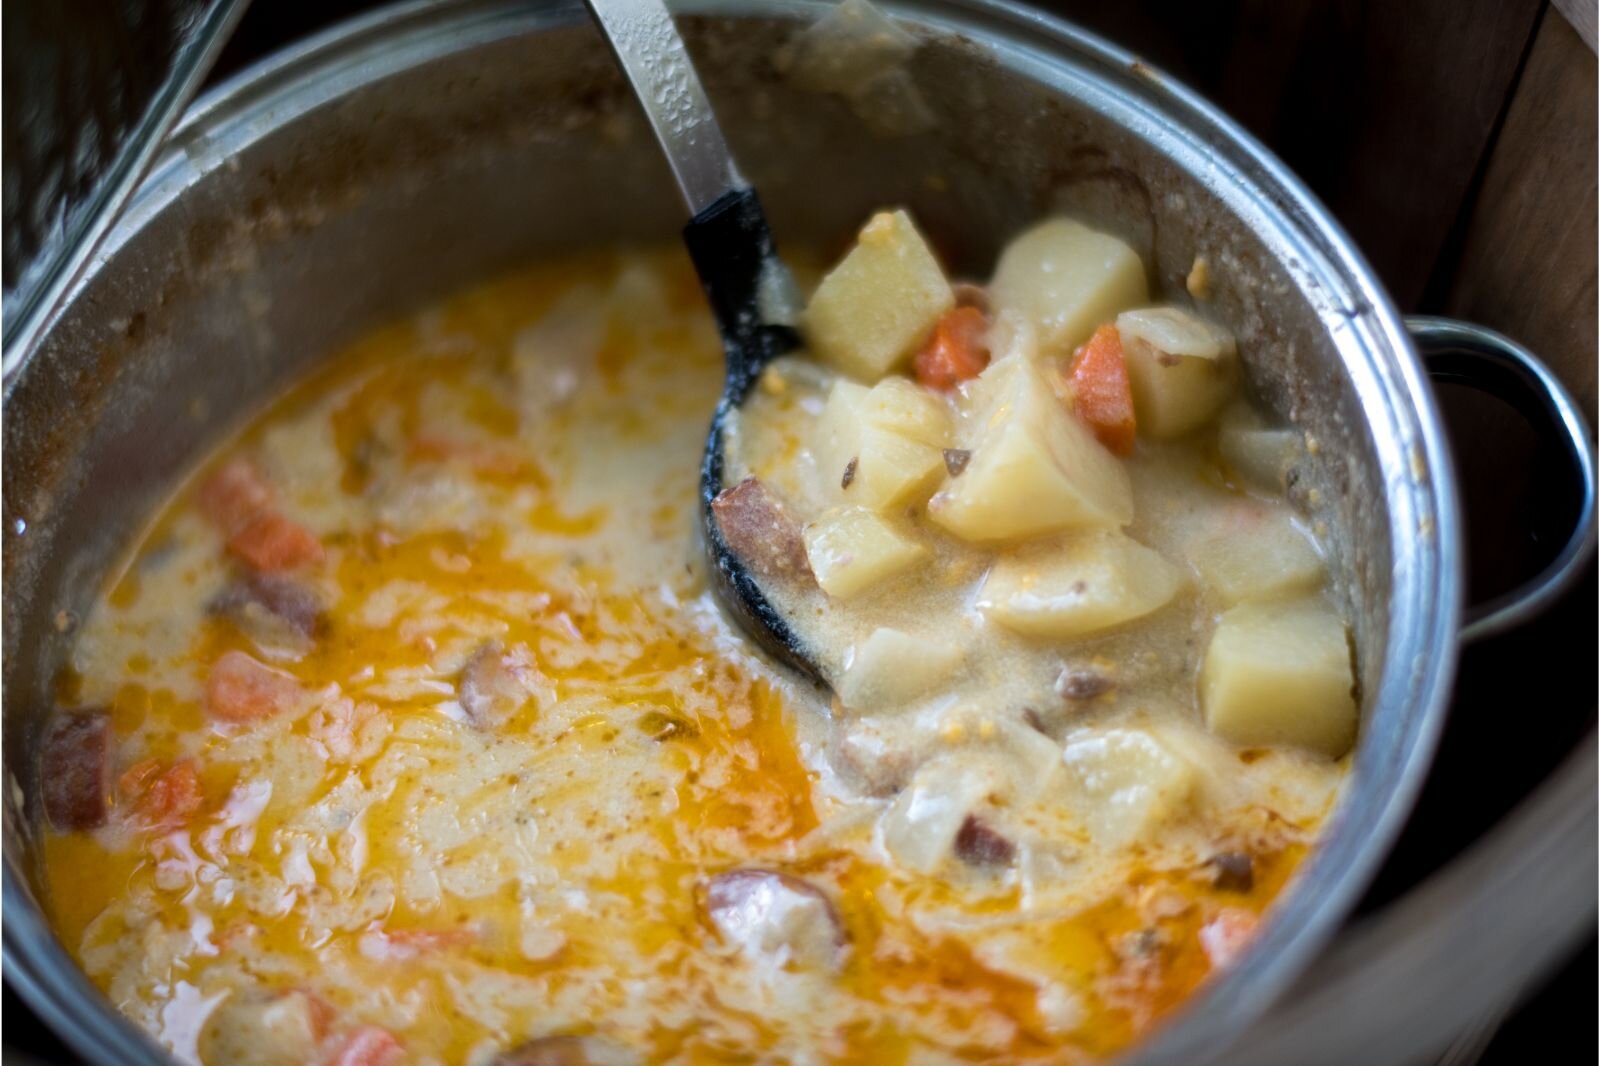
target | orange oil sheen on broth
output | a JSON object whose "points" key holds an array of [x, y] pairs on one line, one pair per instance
{"points": [[571, 838]]}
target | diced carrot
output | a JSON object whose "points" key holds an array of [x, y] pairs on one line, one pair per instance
{"points": [[137, 777], [956, 352], [271, 541], [1099, 376], [319, 1012], [233, 496], [243, 690], [1225, 937], [173, 798], [238, 501], [162, 799], [407, 943], [369, 1045]]}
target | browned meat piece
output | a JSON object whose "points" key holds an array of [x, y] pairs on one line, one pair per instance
{"points": [[1232, 871], [490, 690], [759, 531], [870, 763], [272, 608], [75, 769], [545, 1051], [775, 918], [1080, 684], [979, 845]]}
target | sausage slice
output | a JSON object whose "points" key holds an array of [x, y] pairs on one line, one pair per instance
{"points": [[775, 918], [75, 769], [272, 608], [977, 844], [489, 689], [760, 532]]}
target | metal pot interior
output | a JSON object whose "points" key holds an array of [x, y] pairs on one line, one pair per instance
{"points": [[393, 161]]}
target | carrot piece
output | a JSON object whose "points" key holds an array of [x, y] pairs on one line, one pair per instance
{"points": [[378, 943], [238, 500], [173, 798], [273, 542], [234, 495], [136, 778], [243, 690], [370, 1045], [318, 1011], [1099, 376], [1225, 937], [956, 352]]}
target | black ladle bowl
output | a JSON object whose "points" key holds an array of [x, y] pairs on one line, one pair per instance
{"points": [[732, 249]]}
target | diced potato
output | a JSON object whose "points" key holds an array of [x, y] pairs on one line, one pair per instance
{"points": [[893, 439], [1035, 468], [1260, 454], [921, 826], [901, 406], [872, 310], [892, 667], [1126, 783], [1023, 954], [263, 1029], [1256, 554], [1092, 582], [1279, 673], [852, 550], [1067, 279], [1182, 369]]}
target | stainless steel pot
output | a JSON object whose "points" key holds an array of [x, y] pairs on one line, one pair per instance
{"points": [[404, 154]]}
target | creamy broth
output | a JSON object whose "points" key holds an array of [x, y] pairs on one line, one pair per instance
{"points": [[409, 732]]}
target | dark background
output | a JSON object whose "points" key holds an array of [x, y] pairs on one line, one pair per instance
{"points": [[1456, 141]]}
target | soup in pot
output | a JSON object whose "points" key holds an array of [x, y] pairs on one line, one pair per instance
{"points": [[409, 732]]}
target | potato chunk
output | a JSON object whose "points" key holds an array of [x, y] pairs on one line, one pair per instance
{"points": [[1034, 469], [1092, 582], [1257, 554], [892, 667], [1182, 368], [921, 826], [873, 309], [257, 1028], [853, 550], [1125, 783], [1260, 454], [880, 447], [1279, 673], [1067, 279], [901, 406]]}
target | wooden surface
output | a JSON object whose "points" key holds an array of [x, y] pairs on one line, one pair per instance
{"points": [[1384, 108], [1583, 16], [1527, 260]]}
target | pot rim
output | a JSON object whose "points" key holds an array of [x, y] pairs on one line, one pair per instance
{"points": [[1425, 597]]}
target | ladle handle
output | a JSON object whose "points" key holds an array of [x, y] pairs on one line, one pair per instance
{"points": [[1463, 353], [746, 284], [652, 55]]}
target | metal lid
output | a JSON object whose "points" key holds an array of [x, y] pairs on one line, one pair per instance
{"points": [[91, 88]]}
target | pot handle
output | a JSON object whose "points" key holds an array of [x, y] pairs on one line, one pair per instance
{"points": [[1463, 353]]}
